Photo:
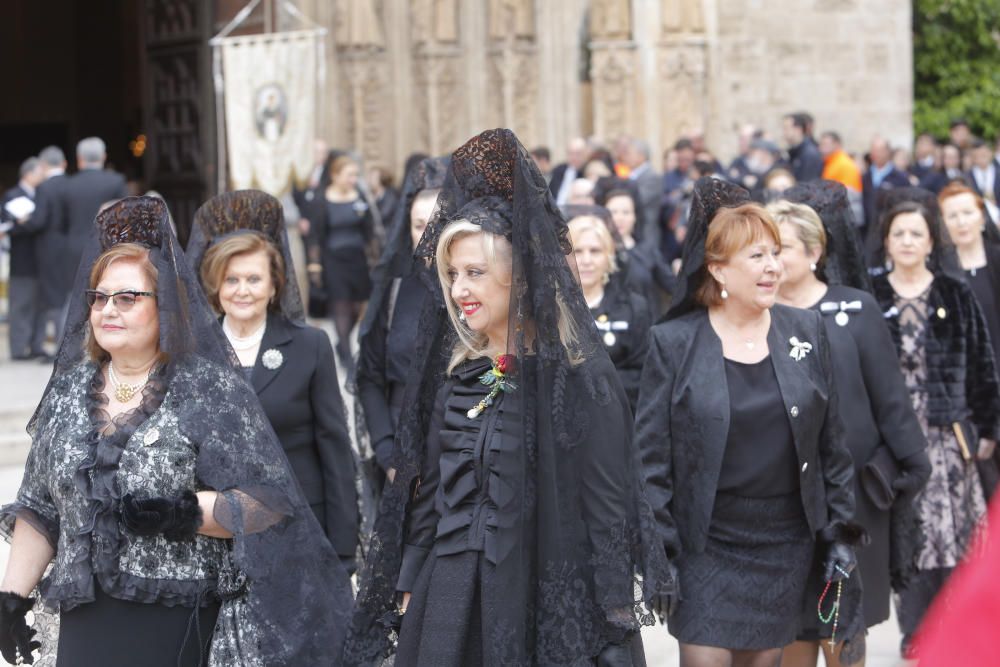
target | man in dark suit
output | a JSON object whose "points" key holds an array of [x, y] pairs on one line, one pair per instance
{"points": [[803, 153], [650, 186], [882, 175], [564, 174], [985, 176], [27, 324], [88, 190], [54, 280]]}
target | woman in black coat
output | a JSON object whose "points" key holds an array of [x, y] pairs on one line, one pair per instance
{"points": [[742, 447], [238, 247], [646, 270], [621, 314], [389, 330], [824, 271], [947, 361]]}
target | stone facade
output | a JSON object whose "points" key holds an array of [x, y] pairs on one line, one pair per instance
{"points": [[409, 75]]}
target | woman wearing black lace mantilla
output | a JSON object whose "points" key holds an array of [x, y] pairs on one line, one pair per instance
{"points": [[155, 487], [515, 530]]}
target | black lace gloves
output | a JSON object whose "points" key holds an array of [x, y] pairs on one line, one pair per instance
{"points": [[16, 643], [177, 518]]}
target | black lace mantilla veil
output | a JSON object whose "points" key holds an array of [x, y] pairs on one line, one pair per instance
{"points": [[573, 570], [246, 211], [710, 194], [844, 263], [397, 261], [297, 600]]}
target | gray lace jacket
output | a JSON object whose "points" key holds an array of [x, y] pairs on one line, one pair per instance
{"points": [[78, 469]]}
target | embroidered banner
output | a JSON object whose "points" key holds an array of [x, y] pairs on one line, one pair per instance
{"points": [[272, 84]]}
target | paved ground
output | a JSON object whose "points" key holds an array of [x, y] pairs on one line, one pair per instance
{"points": [[22, 384]]}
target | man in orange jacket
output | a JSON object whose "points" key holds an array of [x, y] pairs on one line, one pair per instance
{"points": [[837, 164]]}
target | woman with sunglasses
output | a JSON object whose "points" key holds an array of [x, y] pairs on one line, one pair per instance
{"points": [[158, 516]]}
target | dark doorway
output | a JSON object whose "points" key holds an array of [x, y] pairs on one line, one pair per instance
{"points": [[70, 70]]}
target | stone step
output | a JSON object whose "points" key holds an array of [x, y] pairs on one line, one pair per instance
{"points": [[14, 448]]}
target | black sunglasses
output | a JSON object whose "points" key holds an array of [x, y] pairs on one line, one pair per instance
{"points": [[123, 300]]}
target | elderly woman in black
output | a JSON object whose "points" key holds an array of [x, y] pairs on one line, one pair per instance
{"points": [[743, 451], [240, 250], [824, 271], [154, 487], [947, 361]]}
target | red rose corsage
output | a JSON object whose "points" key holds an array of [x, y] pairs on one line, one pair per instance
{"points": [[497, 379]]}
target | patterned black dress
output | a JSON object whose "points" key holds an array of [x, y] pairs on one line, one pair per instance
{"points": [[951, 505]]}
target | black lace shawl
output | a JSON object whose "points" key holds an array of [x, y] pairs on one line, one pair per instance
{"points": [[246, 212], [844, 263], [580, 564], [298, 598]]}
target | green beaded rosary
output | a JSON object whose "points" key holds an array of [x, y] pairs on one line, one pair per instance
{"points": [[834, 614]]}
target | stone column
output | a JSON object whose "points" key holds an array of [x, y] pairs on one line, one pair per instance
{"points": [[512, 96], [613, 68], [681, 70]]}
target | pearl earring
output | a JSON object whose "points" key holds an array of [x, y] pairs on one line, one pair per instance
{"points": [[724, 294], [812, 267]]}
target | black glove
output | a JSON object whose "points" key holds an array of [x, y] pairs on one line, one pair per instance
{"points": [[840, 559], [16, 638], [177, 518]]}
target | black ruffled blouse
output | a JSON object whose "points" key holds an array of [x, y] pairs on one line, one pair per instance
{"points": [[462, 489]]}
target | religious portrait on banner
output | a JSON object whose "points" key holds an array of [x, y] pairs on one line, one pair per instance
{"points": [[272, 111]]}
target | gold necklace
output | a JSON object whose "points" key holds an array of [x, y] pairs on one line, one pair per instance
{"points": [[124, 392]]}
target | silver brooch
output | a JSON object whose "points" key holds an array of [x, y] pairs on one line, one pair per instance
{"points": [[799, 348], [272, 359], [152, 435]]}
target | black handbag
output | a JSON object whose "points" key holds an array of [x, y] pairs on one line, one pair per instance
{"points": [[878, 477]]}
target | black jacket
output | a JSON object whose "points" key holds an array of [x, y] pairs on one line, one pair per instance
{"points": [[302, 401], [623, 319], [558, 175], [22, 237], [86, 191], [870, 200], [806, 161], [682, 424], [971, 179], [383, 361], [961, 372], [55, 276]]}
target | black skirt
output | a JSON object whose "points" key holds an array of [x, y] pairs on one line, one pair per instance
{"points": [[345, 275], [451, 604], [443, 624], [117, 633], [746, 589]]}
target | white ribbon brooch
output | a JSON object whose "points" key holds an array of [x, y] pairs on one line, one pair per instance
{"points": [[799, 348], [272, 359]]}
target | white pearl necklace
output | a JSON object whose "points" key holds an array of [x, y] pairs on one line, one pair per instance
{"points": [[243, 344]]}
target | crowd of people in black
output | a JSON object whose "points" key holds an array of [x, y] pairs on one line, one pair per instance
{"points": [[755, 402]]}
